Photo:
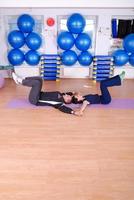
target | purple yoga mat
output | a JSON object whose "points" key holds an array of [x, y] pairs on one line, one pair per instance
{"points": [[115, 104]]}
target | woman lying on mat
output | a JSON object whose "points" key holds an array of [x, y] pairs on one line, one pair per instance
{"points": [[58, 100], [103, 98]]}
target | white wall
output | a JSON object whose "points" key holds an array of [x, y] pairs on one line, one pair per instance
{"points": [[102, 40]]}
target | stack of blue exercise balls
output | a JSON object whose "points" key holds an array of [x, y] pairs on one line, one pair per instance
{"points": [[75, 36], [122, 56], [16, 39], [24, 36]]}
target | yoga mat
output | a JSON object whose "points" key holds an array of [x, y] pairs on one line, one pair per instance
{"points": [[115, 104]]}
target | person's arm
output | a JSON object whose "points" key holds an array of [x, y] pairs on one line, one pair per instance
{"points": [[67, 110], [64, 109], [82, 109], [60, 107]]}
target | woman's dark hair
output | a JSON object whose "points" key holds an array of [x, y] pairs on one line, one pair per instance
{"points": [[75, 100], [68, 93]]}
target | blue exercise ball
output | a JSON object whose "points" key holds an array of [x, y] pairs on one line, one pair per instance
{"points": [[32, 57], [69, 58], [76, 23], [65, 40], [128, 43], [16, 39], [25, 23], [85, 58], [131, 59], [120, 57], [33, 41], [15, 57], [83, 42]]}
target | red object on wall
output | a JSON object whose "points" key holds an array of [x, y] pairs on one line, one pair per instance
{"points": [[50, 21]]}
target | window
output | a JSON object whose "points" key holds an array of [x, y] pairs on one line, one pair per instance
{"points": [[120, 27], [12, 25], [89, 29]]}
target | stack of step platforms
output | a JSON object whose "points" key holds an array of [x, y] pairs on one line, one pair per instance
{"points": [[102, 67], [50, 66]]}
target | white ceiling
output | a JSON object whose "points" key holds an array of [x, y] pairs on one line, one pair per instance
{"points": [[69, 3]]}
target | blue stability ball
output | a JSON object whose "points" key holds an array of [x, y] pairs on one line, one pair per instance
{"points": [[83, 42], [26, 23], [65, 40], [69, 58], [76, 23], [128, 43], [16, 57], [32, 57], [16, 39], [33, 41], [131, 59], [120, 57], [85, 58]]}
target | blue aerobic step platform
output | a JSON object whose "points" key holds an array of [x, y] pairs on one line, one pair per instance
{"points": [[50, 66], [102, 67]]}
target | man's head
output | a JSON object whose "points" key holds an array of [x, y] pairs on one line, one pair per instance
{"points": [[70, 97], [67, 98]]}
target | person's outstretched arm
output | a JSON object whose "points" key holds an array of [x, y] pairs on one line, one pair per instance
{"points": [[82, 109], [67, 110], [64, 109]]}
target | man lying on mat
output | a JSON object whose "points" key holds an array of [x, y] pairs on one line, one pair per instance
{"points": [[58, 99]]}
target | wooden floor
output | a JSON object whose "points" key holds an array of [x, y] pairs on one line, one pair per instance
{"points": [[49, 155]]}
